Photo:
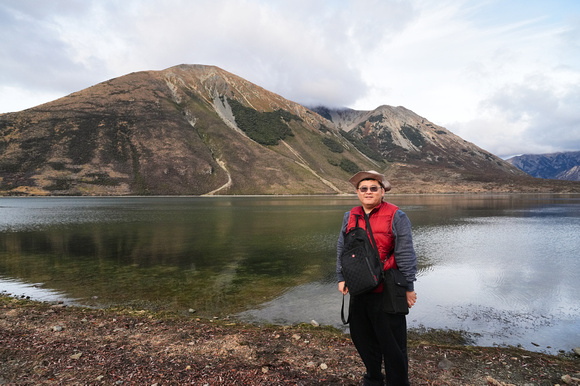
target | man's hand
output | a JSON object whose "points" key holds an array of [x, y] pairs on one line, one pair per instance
{"points": [[342, 287], [411, 298]]}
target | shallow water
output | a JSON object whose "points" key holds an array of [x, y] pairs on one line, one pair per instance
{"points": [[503, 267]]}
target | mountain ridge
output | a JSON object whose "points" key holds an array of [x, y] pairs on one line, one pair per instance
{"points": [[200, 130], [559, 166]]}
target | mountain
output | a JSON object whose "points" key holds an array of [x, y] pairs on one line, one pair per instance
{"points": [[559, 166], [193, 130], [420, 154], [185, 130]]}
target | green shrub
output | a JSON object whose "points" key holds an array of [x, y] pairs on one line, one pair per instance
{"points": [[376, 118], [265, 128], [413, 135], [363, 146], [334, 146], [348, 166]]}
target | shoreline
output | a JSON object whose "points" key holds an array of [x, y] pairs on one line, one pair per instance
{"points": [[342, 195], [459, 336], [48, 343]]}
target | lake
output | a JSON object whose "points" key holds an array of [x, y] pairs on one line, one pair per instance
{"points": [[504, 268]]}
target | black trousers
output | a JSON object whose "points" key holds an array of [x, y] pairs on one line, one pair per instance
{"points": [[379, 337]]}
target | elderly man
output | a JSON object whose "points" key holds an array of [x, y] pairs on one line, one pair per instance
{"points": [[379, 336]]}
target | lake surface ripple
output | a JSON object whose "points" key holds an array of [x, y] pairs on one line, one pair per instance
{"points": [[504, 268]]}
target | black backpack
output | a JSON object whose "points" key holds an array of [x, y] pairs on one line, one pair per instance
{"points": [[362, 268]]}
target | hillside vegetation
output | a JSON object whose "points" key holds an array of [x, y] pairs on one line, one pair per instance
{"points": [[195, 130]]}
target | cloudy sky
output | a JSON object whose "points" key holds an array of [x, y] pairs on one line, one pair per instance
{"points": [[503, 74]]}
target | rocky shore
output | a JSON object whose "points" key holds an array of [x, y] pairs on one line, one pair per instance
{"points": [[42, 343]]}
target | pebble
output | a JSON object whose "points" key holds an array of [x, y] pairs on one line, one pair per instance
{"points": [[323, 366], [493, 382], [567, 379], [314, 323], [445, 364], [57, 328], [76, 356], [577, 350], [296, 337]]}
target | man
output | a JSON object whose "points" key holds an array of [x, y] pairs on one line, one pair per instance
{"points": [[378, 336]]}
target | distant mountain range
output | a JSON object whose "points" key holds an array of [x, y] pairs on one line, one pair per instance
{"points": [[200, 130], [558, 166]]}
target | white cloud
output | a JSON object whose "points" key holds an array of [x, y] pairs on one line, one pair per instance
{"points": [[17, 98], [508, 87], [544, 108]]}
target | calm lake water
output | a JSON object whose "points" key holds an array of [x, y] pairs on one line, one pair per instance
{"points": [[502, 267]]}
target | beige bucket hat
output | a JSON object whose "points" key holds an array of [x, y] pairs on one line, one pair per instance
{"points": [[357, 178]]}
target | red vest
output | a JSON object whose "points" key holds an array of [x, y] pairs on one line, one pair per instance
{"points": [[381, 220]]}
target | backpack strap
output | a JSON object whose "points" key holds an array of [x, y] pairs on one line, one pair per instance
{"points": [[356, 217], [373, 242], [347, 320]]}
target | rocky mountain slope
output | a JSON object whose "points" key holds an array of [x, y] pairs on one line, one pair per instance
{"points": [[421, 154], [176, 131], [196, 130], [560, 166]]}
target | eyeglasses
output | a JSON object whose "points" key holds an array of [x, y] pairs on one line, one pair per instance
{"points": [[374, 189]]}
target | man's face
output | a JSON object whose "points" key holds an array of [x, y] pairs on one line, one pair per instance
{"points": [[370, 193]]}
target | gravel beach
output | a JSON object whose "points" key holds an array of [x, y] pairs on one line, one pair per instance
{"points": [[54, 344]]}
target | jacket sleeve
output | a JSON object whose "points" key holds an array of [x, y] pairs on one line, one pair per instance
{"points": [[405, 256], [340, 247]]}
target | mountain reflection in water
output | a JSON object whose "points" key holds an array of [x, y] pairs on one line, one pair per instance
{"points": [[502, 266]]}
